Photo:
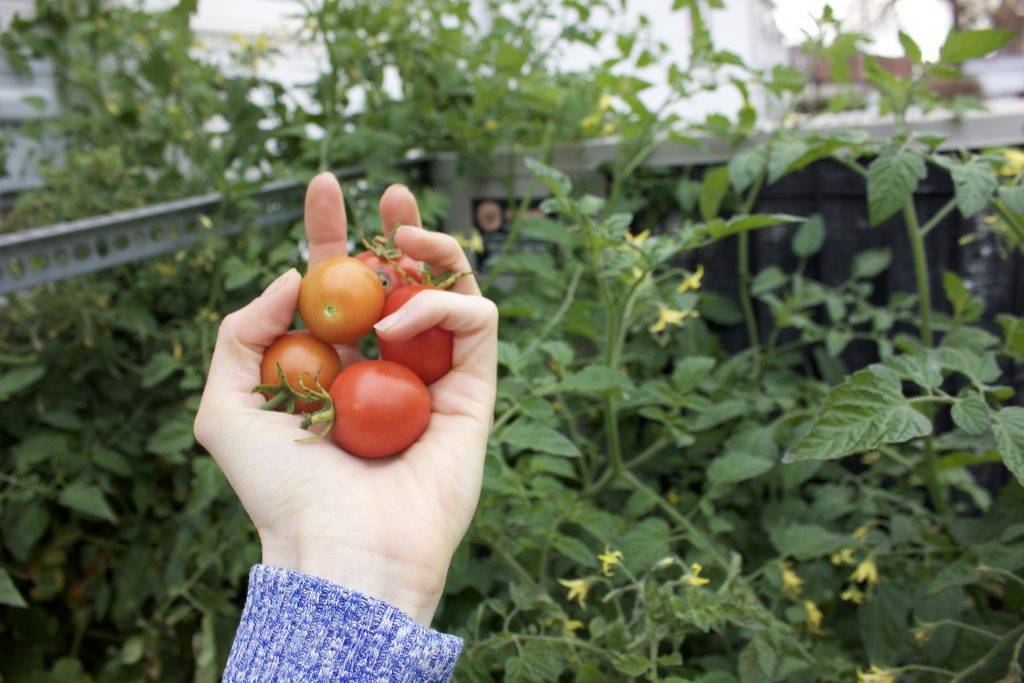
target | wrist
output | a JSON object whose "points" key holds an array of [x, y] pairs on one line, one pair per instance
{"points": [[414, 589]]}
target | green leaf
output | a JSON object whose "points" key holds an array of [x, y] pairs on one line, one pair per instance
{"points": [[1009, 431], [552, 465], [974, 183], [713, 191], [88, 499], [18, 379], [745, 166], [784, 152], [688, 372], [970, 414], [24, 523], [806, 541], [863, 413], [238, 273], [1013, 197], [557, 182], [870, 263], [892, 180], [767, 280], [632, 665], [575, 550], [979, 367], [161, 366], [757, 662], [910, 48], [809, 237], [737, 466], [963, 45], [924, 371], [541, 662], [40, 447], [172, 437], [111, 461], [883, 621], [645, 544], [9, 594], [836, 341], [535, 436]]}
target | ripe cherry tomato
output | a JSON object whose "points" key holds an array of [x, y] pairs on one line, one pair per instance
{"points": [[340, 300], [301, 356], [429, 353], [381, 408], [389, 276]]}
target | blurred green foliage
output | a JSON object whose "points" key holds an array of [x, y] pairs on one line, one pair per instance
{"points": [[654, 507]]}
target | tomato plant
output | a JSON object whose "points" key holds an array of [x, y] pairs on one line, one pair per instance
{"points": [[381, 408], [340, 300], [391, 274], [429, 353], [303, 359]]}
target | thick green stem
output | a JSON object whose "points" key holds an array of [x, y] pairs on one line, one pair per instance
{"points": [[743, 266], [929, 469], [924, 294]]}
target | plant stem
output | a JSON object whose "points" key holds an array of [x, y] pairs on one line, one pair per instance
{"points": [[743, 265], [937, 218], [929, 470]]}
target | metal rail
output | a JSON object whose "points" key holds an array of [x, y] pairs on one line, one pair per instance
{"points": [[40, 255]]}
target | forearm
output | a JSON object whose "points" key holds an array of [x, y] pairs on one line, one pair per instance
{"points": [[297, 627]]}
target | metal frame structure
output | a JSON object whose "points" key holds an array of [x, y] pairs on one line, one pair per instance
{"points": [[37, 256]]}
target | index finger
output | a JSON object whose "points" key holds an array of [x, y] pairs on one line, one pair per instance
{"points": [[326, 223]]}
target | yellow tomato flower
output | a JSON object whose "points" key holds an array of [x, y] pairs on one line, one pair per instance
{"points": [[861, 532], [921, 635], [571, 626], [1014, 162], [491, 124], [693, 577], [852, 594], [875, 674], [608, 129], [792, 584], [668, 316], [609, 559], [866, 572], [692, 281], [814, 617], [638, 240], [605, 102], [672, 497], [578, 589], [844, 556], [592, 120]]}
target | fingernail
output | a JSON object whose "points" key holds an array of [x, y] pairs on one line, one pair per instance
{"points": [[385, 324], [279, 282]]}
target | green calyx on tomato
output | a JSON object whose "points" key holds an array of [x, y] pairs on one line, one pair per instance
{"points": [[295, 364], [394, 269]]}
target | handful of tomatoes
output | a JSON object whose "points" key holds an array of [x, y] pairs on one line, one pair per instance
{"points": [[373, 408]]}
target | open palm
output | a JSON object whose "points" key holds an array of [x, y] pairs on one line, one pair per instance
{"points": [[387, 527]]}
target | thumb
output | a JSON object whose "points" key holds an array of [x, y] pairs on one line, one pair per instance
{"points": [[245, 334]]}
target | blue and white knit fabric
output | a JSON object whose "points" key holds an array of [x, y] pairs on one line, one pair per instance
{"points": [[298, 627]]}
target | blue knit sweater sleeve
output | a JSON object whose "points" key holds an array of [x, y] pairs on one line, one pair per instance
{"points": [[297, 627]]}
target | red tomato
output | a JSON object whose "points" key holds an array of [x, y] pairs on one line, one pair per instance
{"points": [[380, 408], [340, 300], [301, 356], [390, 278], [429, 353]]}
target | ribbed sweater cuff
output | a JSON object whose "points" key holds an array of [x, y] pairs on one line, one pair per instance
{"points": [[297, 627]]}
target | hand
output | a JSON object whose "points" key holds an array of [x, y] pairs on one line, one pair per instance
{"points": [[387, 528]]}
